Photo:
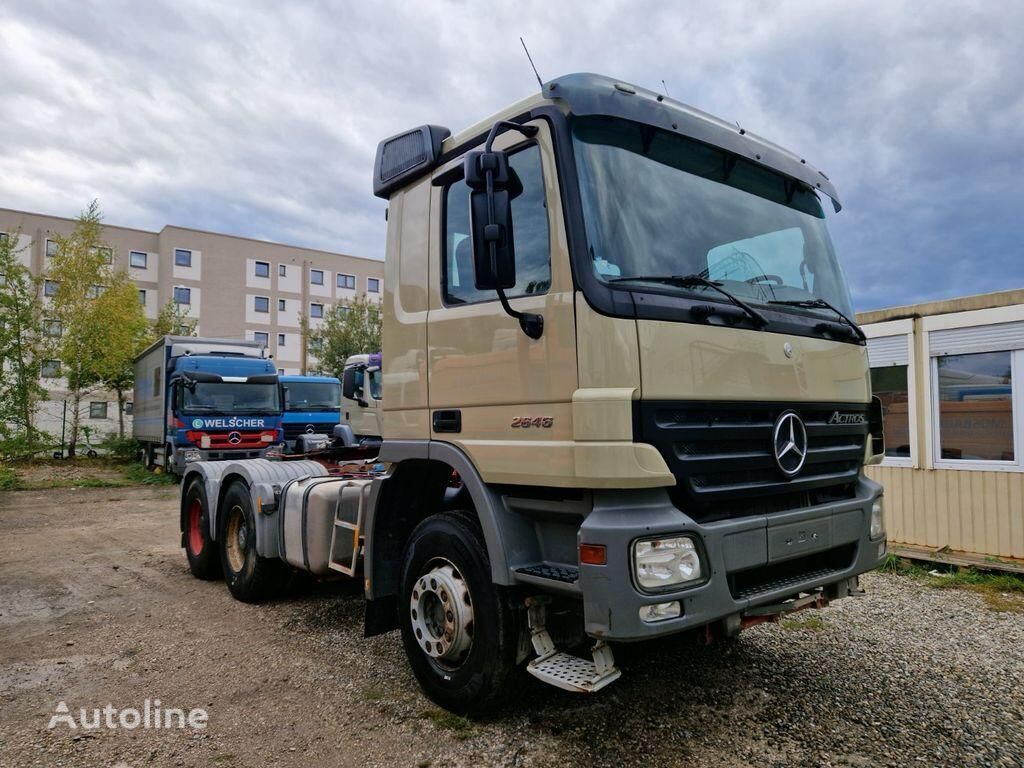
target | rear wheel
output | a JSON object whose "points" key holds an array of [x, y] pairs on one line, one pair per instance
{"points": [[203, 557], [249, 577], [459, 633]]}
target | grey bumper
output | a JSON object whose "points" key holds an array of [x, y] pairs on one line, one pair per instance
{"points": [[748, 562]]}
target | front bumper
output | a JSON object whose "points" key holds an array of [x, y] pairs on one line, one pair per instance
{"points": [[750, 561], [188, 454]]}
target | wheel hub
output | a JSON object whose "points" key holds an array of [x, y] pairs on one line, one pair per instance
{"points": [[441, 611]]}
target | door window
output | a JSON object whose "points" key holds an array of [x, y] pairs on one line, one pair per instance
{"points": [[529, 230]]}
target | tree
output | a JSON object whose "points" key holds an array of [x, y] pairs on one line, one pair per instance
{"points": [[21, 346], [171, 320], [81, 272], [348, 329], [119, 333]]}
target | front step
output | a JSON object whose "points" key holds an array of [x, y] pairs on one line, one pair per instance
{"points": [[563, 670]]}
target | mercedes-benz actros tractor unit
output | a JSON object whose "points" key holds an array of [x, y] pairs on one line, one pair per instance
{"points": [[622, 397]]}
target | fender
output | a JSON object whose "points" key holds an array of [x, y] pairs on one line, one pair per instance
{"points": [[488, 505]]}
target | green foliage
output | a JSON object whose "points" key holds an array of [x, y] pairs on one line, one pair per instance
{"points": [[812, 623], [8, 480], [347, 329], [26, 446], [139, 475], [461, 728], [171, 320], [120, 448], [21, 346], [1001, 591]]}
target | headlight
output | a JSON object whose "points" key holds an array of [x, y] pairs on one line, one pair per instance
{"points": [[661, 563], [877, 519], [192, 456]]}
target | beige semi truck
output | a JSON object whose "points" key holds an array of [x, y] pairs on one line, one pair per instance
{"points": [[621, 398], [361, 397]]}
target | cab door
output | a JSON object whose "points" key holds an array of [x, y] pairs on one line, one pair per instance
{"points": [[502, 397]]}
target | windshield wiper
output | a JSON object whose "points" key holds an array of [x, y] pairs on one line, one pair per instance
{"points": [[822, 304], [690, 281]]}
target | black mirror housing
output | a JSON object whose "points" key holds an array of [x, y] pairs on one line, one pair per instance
{"points": [[349, 388], [494, 258]]}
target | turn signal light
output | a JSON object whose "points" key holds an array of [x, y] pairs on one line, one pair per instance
{"points": [[593, 554]]}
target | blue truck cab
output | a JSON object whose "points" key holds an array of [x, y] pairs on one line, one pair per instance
{"points": [[206, 399], [312, 405]]}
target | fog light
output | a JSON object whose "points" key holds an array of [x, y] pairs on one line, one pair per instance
{"points": [[660, 611], [877, 519], [661, 563]]}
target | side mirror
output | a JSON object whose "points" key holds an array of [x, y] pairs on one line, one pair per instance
{"points": [[494, 185], [349, 387]]}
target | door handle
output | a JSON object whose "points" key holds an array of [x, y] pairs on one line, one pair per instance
{"points": [[448, 421]]}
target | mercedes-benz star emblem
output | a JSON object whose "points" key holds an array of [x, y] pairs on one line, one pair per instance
{"points": [[789, 443], [234, 438], [309, 429]]}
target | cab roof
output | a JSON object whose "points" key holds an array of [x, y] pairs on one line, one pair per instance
{"points": [[591, 94]]}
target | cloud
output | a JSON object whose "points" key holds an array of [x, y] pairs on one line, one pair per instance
{"points": [[262, 119]]}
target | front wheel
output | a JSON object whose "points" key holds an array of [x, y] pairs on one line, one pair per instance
{"points": [[460, 635], [250, 578]]}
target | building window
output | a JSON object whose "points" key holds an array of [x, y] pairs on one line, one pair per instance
{"points": [[97, 410], [262, 269], [51, 248], [262, 337], [975, 407], [282, 270], [129, 407], [50, 287], [316, 346], [261, 304], [138, 259], [889, 384], [50, 369], [182, 295], [53, 328], [316, 310], [3, 237], [93, 291], [185, 330], [280, 371], [281, 339], [316, 277], [281, 304], [346, 281], [182, 258], [530, 234], [142, 296], [107, 254], [372, 285]]}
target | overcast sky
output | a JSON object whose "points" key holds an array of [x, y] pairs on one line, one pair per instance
{"points": [[263, 122]]}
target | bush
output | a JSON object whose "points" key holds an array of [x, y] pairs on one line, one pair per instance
{"points": [[121, 448], [26, 447], [137, 473], [8, 480]]}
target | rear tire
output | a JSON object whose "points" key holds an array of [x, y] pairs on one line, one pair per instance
{"points": [[464, 658], [202, 552], [250, 578]]}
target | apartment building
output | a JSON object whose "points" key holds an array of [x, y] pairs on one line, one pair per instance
{"points": [[230, 286]]}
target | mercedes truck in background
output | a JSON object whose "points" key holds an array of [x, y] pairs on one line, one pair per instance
{"points": [[312, 405], [622, 397], [204, 399]]}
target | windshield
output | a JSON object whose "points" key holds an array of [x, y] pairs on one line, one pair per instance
{"points": [[313, 396], [231, 397], [660, 204]]}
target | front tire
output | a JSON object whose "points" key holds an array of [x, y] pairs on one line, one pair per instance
{"points": [[201, 550], [250, 578], [459, 633]]}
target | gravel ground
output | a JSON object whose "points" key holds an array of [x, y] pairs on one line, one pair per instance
{"points": [[97, 607]]}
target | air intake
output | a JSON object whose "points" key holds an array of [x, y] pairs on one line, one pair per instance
{"points": [[406, 156]]}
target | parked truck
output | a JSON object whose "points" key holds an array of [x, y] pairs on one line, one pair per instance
{"points": [[622, 398], [361, 389], [312, 405], [205, 399]]}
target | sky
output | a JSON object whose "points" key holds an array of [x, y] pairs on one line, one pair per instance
{"points": [[262, 118]]}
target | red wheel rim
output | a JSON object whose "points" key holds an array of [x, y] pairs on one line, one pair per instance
{"points": [[195, 529]]}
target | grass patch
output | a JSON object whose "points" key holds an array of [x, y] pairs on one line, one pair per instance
{"points": [[137, 474], [372, 694], [812, 622], [460, 727], [1001, 591]]}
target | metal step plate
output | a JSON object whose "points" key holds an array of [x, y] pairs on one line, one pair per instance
{"points": [[571, 673]]}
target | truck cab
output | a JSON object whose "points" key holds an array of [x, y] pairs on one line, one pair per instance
{"points": [[202, 399], [361, 392], [312, 405]]}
